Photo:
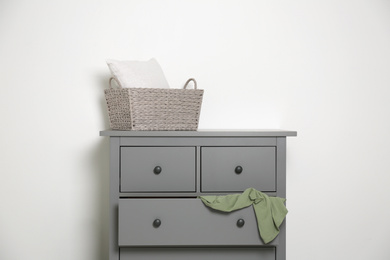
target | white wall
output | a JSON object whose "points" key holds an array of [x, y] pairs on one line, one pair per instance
{"points": [[318, 67]]}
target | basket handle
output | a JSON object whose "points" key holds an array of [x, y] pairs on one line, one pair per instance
{"points": [[117, 82], [188, 81]]}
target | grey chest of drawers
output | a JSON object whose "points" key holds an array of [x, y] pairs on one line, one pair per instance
{"points": [[156, 177]]}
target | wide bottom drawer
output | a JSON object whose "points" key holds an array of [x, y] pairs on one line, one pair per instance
{"points": [[184, 222], [197, 253]]}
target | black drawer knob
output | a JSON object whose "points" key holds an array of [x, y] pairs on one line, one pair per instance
{"points": [[240, 222], [238, 170], [157, 170], [156, 223]]}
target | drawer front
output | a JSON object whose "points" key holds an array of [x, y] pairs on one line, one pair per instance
{"points": [[197, 253], [233, 169], [184, 222], [157, 169]]}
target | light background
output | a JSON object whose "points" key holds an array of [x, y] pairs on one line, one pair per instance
{"points": [[318, 67]]}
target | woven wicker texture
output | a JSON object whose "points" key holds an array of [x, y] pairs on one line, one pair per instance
{"points": [[154, 109]]}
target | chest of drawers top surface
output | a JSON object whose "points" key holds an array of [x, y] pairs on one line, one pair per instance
{"points": [[202, 133]]}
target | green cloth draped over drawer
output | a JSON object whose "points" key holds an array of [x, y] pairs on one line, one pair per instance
{"points": [[270, 211]]}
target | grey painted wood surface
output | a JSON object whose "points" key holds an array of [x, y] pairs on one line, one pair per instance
{"points": [[198, 140], [219, 164], [176, 194], [184, 222], [281, 191], [177, 166], [200, 133], [197, 254], [114, 194]]}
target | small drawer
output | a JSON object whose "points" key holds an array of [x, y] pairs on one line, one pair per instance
{"points": [[234, 169], [267, 253], [184, 222], [157, 169]]}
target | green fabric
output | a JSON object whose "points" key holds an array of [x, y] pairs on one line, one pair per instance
{"points": [[270, 211]]}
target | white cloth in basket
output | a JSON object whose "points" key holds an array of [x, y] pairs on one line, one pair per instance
{"points": [[138, 74]]}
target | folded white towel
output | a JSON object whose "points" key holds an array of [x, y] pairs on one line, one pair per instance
{"points": [[138, 74]]}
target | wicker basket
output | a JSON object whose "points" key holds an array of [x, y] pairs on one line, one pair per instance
{"points": [[154, 108]]}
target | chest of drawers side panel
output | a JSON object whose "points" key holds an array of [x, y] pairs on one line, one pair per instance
{"points": [[281, 192], [114, 197]]}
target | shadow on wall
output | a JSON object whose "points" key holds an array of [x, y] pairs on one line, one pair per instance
{"points": [[99, 162], [100, 166]]}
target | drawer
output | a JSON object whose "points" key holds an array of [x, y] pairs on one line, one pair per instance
{"points": [[233, 169], [184, 222], [197, 253], [157, 169]]}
